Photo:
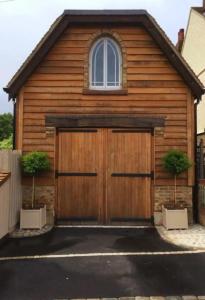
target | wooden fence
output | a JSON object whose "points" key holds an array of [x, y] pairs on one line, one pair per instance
{"points": [[10, 190], [4, 208]]}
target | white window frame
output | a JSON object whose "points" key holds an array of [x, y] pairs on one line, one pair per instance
{"points": [[105, 86]]}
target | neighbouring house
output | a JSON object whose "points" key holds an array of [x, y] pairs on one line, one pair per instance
{"points": [[193, 50], [106, 95]]}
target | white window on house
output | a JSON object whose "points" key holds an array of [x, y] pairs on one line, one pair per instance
{"points": [[105, 65]]}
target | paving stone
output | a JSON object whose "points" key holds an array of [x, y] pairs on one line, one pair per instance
{"points": [[19, 233], [173, 298], [111, 298], [201, 297], [127, 298], [157, 298], [189, 297], [192, 238], [142, 298]]}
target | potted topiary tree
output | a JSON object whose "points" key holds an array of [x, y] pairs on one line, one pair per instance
{"points": [[174, 214], [33, 164]]}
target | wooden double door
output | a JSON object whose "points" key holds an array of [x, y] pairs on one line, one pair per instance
{"points": [[104, 175]]}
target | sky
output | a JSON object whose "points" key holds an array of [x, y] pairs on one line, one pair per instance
{"points": [[24, 22]]}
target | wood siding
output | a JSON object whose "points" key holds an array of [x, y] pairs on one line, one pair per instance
{"points": [[153, 85]]}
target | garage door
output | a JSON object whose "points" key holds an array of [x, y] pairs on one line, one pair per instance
{"points": [[129, 175], [104, 175]]}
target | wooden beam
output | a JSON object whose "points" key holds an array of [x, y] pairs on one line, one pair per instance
{"points": [[103, 121]]}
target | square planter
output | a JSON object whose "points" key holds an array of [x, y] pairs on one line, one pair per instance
{"points": [[33, 218], [175, 218]]}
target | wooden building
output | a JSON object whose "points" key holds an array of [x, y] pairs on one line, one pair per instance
{"points": [[106, 95]]}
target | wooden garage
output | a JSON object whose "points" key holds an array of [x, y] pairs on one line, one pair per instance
{"points": [[106, 95]]}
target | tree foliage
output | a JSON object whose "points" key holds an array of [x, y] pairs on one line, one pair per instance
{"points": [[35, 162], [176, 162], [7, 143], [6, 126]]}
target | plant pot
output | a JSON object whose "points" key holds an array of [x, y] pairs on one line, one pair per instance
{"points": [[175, 218], [33, 218]]}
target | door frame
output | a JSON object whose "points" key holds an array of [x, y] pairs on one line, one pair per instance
{"points": [[142, 124]]}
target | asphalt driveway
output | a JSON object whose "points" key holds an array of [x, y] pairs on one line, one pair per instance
{"points": [[88, 240], [118, 265]]}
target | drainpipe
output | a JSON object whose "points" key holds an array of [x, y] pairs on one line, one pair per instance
{"points": [[14, 123], [195, 190]]}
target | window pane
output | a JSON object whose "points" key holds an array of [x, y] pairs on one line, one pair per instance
{"points": [[97, 65], [112, 65]]}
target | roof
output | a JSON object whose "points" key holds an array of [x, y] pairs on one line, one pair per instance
{"points": [[136, 17], [201, 133], [3, 177], [199, 10]]}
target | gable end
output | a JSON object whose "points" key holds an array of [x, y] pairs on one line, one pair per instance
{"points": [[105, 17]]}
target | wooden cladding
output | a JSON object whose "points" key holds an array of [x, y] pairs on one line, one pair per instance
{"points": [[155, 96], [141, 24]]}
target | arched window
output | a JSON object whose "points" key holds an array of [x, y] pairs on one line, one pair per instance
{"points": [[105, 65]]}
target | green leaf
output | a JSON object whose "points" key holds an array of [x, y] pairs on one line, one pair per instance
{"points": [[176, 162], [35, 163], [7, 143], [6, 126]]}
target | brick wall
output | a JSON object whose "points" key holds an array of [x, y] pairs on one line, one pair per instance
{"points": [[43, 195], [164, 194]]}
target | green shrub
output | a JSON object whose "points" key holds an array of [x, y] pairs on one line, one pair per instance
{"points": [[7, 143], [6, 126], [176, 162], [35, 163]]}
